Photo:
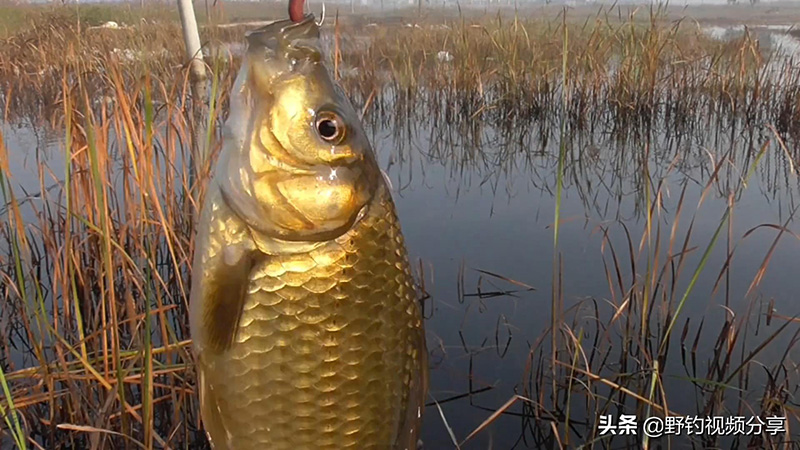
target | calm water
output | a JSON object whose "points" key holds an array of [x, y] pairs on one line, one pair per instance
{"points": [[500, 220]]}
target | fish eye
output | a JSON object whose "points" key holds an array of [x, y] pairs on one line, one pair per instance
{"points": [[330, 127]]}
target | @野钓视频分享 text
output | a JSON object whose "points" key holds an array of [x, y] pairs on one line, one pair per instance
{"points": [[691, 425]]}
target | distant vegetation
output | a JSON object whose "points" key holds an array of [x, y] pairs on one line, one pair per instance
{"points": [[620, 66]]}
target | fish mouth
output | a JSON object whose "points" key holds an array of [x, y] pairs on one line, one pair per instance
{"points": [[284, 27], [285, 45]]}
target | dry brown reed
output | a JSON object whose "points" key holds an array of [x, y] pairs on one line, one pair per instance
{"points": [[97, 277]]}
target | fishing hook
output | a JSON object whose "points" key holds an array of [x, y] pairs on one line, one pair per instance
{"points": [[322, 18]]}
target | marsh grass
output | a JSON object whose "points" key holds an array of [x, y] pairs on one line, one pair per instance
{"points": [[96, 273], [637, 350], [97, 280], [626, 74]]}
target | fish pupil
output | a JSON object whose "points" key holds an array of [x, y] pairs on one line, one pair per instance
{"points": [[328, 129]]}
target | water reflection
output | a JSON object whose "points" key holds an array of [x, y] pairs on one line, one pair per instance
{"points": [[476, 203]]}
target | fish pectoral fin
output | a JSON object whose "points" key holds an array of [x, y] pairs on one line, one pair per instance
{"points": [[225, 290]]}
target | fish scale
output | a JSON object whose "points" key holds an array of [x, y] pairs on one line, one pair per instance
{"points": [[327, 342]]}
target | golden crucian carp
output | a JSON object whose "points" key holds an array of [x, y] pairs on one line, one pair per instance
{"points": [[304, 318]]}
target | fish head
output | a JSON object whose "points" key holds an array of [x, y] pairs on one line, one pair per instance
{"points": [[301, 167]]}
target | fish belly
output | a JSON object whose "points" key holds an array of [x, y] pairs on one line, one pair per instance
{"points": [[328, 348]]}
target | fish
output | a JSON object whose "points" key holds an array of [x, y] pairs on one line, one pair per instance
{"points": [[306, 326]]}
